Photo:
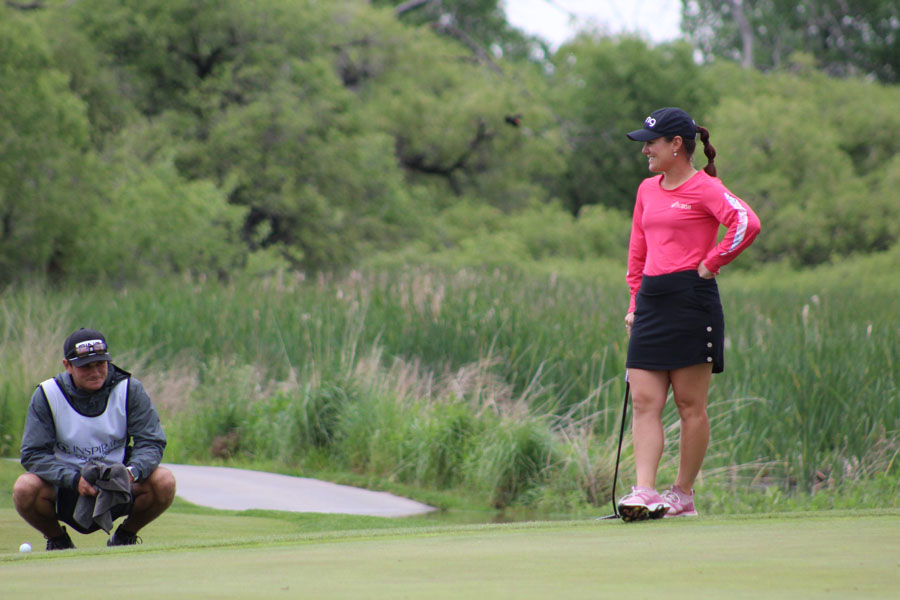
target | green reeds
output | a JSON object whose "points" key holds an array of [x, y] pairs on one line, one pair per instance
{"points": [[502, 383]]}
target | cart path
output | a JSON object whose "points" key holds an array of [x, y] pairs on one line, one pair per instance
{"points": [[239, 489]]}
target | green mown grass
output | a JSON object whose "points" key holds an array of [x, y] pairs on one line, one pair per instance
{"points": [[836, 554], [195, 552]]}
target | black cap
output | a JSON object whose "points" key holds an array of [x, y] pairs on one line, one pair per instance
{"points": [[85, 346], [665, 122]]}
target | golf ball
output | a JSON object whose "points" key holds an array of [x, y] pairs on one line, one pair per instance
{"points": [[26, 547]]}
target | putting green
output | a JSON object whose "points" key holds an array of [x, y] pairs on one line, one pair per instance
{"points": [[816, 555]]}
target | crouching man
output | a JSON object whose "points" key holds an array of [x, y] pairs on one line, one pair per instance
{"points": [[88, 415]]}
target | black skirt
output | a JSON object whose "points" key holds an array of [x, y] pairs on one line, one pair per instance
{"points": [[678, 322]]}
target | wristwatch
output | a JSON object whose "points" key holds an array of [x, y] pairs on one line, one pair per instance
{"points": [[133, 472]]}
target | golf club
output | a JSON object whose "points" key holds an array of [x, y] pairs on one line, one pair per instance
{"points": [[615, 514]]}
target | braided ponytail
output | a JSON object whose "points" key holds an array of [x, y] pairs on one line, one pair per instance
{"points": [[708, 150]]}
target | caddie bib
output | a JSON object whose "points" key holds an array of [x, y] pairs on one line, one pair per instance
{"points": [[80, 438]]}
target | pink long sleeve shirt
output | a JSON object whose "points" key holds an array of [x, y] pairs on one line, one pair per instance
{"points": [[676, 230]]}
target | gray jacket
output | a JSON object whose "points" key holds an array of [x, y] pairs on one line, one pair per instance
{"points": [[144, 429]]}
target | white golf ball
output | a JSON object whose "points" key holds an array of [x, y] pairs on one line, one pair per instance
{"points": [[26, 547]]}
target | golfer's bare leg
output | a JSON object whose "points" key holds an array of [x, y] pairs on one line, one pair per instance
{"points": [[35, 501], [690, 389], [648, 397], [152, 497]]}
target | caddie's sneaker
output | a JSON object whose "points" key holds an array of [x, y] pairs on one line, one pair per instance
{"points": [[680, 504], [123, 538], [60, 542], [640, 504]]}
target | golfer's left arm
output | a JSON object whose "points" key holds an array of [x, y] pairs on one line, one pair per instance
{"points": [[743, 227]]}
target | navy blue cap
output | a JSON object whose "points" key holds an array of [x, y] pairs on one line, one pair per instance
{"points": [[85, 346], [665, 122]]}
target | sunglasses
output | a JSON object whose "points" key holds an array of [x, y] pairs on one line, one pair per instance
{"points": [[87, 348]]}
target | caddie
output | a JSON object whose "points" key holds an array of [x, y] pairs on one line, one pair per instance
{"points": [[93, 412]]}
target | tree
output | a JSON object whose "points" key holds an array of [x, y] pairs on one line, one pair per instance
{"points": [[604, 88], [44, 180], [149, 221], [89, 74], [814, 157], [846, 38], [68, 211], [318, 184], [193, 56], [324, 121], [480, 25], [461, 129]]}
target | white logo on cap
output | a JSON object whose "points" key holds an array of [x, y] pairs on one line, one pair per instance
{"points": [[650, 122]]}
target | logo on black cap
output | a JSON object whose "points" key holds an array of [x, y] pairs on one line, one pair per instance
{"points": [[666, 122]]}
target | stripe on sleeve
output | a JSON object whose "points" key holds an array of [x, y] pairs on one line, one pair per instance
{"points": [[741, 229]]}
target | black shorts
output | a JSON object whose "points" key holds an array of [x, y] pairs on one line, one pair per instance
{"points": [[65, 510], [678, 322]]}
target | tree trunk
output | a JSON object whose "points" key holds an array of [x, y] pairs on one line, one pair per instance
{"points": [[740, 18]]}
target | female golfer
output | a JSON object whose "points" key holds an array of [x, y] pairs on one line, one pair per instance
{"points": [[675, 319]]}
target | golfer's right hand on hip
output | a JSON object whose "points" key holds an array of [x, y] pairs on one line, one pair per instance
{"points": [[629, 320]]}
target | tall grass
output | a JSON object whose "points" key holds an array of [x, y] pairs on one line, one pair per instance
{"points": [[818, 381], [502, 383]]}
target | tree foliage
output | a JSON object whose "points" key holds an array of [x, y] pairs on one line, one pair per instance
{"points": [[480, 25], [75, 208], [846, 38], [152, 137], [606, 87], [322, 121], [814, 156], [44, 131]]}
